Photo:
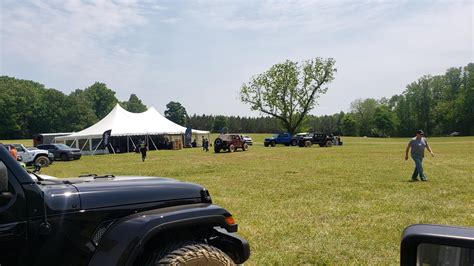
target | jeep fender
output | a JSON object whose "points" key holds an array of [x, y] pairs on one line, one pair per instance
{"points": [[124, 241]]}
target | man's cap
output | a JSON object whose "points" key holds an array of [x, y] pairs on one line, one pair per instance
{"points": [[420, 132]]}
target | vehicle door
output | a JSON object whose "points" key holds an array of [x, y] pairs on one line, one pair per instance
{"points": [[13, 217], [54, 150], [286, 138]]}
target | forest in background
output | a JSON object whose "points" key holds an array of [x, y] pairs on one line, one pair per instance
{"points": [[439, 105]]}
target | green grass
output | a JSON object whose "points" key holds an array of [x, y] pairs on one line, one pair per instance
{"points": [[339, 205]]}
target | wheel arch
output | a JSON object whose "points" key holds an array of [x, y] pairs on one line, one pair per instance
{"points": [[129, 237]]}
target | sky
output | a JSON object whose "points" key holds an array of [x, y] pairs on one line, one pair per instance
{"points": [[199, 53]]}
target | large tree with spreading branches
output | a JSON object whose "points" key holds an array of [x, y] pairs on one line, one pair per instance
{"points": [[289, 90]]}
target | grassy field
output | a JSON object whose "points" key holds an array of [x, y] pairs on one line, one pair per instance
{"points": [[339, 205]]}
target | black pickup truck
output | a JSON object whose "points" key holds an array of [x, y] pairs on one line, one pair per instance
{"points": [[108, 220]]}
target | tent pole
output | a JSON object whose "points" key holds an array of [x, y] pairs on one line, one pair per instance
{"points": [[128, 149], [112, 147], [84, 144], [153, 143], [133, 143], [73, 142], [97, 147]]}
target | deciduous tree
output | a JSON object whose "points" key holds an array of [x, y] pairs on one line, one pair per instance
{"points": [[289, 90]]}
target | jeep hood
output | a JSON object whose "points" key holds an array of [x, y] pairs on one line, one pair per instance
{"points": [[90, 193]]}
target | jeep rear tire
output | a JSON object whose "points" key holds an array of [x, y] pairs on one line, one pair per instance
{"points": [[217, 149], [43, 161], [308, 143], [328, 143], [190, 254], [231, 148]]}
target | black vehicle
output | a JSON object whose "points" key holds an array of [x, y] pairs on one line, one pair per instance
{"points": [[61, 151], [322, 139], [427, 244], [108, 220]]}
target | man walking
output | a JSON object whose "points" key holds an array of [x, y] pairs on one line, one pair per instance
{"points": [[417, 146]]}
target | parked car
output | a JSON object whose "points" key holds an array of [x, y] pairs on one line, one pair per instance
{"points": [[283, 138], [34, 156], [62, 151], [322, 139], [229, 142], [111, 220], [248, 140]]}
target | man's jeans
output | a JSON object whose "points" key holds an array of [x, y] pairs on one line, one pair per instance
{"points": [[418, 168]]}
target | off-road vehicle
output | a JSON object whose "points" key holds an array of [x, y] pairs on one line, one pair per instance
{"points": [[322, 139], [229, 142], [34, 156], [111, 220]]}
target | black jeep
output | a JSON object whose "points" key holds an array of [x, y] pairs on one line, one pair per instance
{"points": [[322, 139], [108, 220]]}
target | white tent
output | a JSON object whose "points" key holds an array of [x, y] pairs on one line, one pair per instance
{"points": [[129, 125]]}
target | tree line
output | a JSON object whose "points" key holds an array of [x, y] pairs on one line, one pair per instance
{"points": [[28, 108], [439, 105]]}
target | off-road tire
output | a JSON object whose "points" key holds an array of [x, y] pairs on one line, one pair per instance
{"points": [[272, 143], [43, 161], [245, 147], [189, 253], [231, 148], [294, 142], [308, 143], [265, 144], [217, 149], [328, 143], [217, 142], [64, 157]]}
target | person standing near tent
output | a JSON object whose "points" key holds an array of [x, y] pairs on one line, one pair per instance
{"points": [[143, 149], [418, 145], [206, 145]]}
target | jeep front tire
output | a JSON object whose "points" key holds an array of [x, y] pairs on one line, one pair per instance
{"points": [[231, 148], [43, 161], [190, 254]]}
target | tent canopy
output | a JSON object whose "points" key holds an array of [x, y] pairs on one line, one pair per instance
{"points": [[125, 123]]}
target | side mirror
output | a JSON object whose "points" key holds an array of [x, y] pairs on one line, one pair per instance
{"points": [[437, 245], [3, 178]]}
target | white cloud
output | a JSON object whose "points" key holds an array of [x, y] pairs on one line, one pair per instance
{"points": [[328, 16], [170, 20], [194, 50]]}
